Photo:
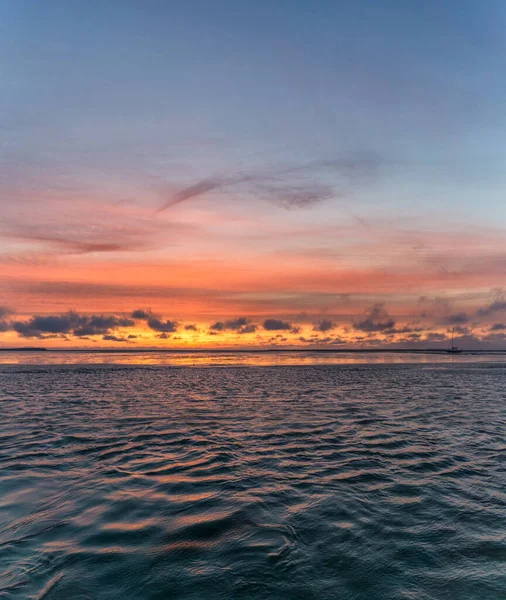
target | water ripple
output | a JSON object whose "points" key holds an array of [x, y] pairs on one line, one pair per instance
{"points": [[359, 482]]}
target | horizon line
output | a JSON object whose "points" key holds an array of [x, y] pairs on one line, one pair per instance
{"points": [[248, 351]]}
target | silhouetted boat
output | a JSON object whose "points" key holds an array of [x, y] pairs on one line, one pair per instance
{"points": [[454, 349]]}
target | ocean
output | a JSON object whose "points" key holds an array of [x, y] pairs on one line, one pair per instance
{"points": [[252, 476]]}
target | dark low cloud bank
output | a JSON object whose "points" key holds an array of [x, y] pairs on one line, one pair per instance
{"points": [[441, 310], [376, 319], [324, 325], [492, 309], [141, 314], [114, 338], [240, 325], [155, 322], [458, 318], [164, 326], [279, 325], [70, 323]]}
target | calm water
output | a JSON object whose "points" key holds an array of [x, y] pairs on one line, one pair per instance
{"points": [[353, 481]]}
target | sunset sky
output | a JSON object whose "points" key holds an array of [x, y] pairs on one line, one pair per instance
{"points": [[238, 173]]}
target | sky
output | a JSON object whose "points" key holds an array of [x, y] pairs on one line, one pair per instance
{"points": [[252, 174]]}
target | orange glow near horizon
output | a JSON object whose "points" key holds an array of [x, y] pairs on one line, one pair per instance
{"points": [[199, 267]]}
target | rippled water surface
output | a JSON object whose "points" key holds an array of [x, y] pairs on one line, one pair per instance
{"points": [[379, 481]]}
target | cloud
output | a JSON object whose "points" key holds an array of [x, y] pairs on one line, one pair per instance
{"points": [[296, 196], [276, 325], [193, 191], [71, 323], [140, 313], [324, 325], [405, 329], [167, 326], [5, 311], [376, 319], [459, 330], [241, 325], [456, 318], [498, 327], [39, 325], [100, 324], [316, 340], [436, 337], [290, 186], [113, 338], [86, 226], [191, 327], [155, 322], [494, 307]]}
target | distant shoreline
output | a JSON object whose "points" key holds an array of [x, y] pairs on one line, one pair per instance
{"points": [[248, 351]]}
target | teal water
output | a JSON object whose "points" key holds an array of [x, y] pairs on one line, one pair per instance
{"points": [[316, 481]]}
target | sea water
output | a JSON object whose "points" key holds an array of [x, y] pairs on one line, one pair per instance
{"points": [[252, 478]]}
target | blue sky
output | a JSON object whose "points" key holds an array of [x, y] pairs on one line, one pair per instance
{"points": [[155, 85]]}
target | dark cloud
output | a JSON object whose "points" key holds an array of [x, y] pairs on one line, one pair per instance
{"points": [[240, 325], [316, 340], [497, 341], [71, 323], [324, 325], [276, 325], [167, 326], [155, 322], [456, 318], [113, 338], [494, 307], [405, 329], [132, 337], [434, 307], [460, 330], [140, 313], [376, 319], [436, 337], [39, 325], [498, 327], [5, 311], [191, 327], [100, 324]]}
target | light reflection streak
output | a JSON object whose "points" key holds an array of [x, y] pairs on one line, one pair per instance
{"points": [[246, 359]]}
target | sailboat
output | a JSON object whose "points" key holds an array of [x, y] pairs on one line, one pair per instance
{"points": [[454, 349]]}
